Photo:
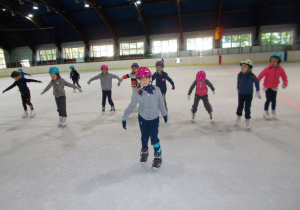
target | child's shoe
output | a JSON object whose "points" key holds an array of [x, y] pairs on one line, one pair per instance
{"points": [[157, 160], [64, 121], [112, 109], [103, 109], [267, 115], [60, 121], [25, 114], [32, 114], [144, 155], [248, 124], [210, 117], [238, 119], [274, 114], [74, 91]]}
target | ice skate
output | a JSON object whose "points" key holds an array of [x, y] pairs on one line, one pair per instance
{"points": [[193, 116], [74, 91], [211, 118], [64, 122], [238, 119], [60, 121], [103, 109], [267, 115], [32, 114], [25, 114], [274, 114], [157, 161], [144, 155], [112, 109], [248, 124], [80, 90]]}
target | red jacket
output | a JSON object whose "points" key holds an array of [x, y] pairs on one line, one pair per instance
{"points": [[272, 75]]}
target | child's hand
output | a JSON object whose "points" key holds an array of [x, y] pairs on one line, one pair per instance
{"points": [[257, 94], [3, 92], [88, 82], [119, 83], [188, 97], [214, 92], [124, 123], [40, 82], [42, 93], [173, 87], [283, 86], [166, 118]]}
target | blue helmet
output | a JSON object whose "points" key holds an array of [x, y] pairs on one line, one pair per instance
{"points": [[72, 67], [20, 68], [160, 63], [276, 55], [54, 70]]}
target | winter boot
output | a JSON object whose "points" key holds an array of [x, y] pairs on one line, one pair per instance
{"points": [[274, 114], [32, 114], [248, 124], [60, 121], [267, 115], [157, 160], [64, 121], [112, 109], [25, 114], [238, 119], [144, 155]]}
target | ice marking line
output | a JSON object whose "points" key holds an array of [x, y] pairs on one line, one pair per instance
{"points": [[281, 97]]}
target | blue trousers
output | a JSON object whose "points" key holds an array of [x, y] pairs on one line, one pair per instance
{"points": [[247, 100], [149, 128]]}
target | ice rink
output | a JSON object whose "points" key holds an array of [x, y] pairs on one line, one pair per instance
{"points": [[93, 163]]}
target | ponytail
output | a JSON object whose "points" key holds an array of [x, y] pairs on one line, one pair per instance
{"points": [[140, 92]]}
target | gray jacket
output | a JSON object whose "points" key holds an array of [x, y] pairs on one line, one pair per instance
{"points": [[58, 87], [105, 80], [150, 105]]}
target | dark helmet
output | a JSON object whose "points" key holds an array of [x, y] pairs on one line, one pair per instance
{"points": [[15, 74]]}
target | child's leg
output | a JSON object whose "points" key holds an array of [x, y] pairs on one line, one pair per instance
{"points": [[207, 104], [240, 108], [248, 106], [74, 83], [196, 102], [145, 131], [28, 102], [273, 100], [24, 102], [103, 98], [269, 98], [61, 106], [154, 124], [109, 98], [164, 97], [77, 83]]}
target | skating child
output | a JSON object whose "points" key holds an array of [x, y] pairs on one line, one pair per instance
{"points": [[151, 103], [75, 76], [132, 76], [106, 85], [59, 93], [271, 82], [20, 70], [245, 80], [161, 76], [201, 84], [24, 90]]}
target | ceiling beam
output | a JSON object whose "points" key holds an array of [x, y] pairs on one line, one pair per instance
{"points": [[14, 6], [262, 12], [142, 20], [102, 13], [66, 15], [4, 46], [180, 24]]}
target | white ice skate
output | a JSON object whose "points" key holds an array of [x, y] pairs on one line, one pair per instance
{"points": [[267, 115], [112, 110], [25, 114], [103, 109], [60, 121], [32, 114], [64, 122], [193, 117], [274, 114], [211, 118], [248, 124], [74, 91], [238, 119]]}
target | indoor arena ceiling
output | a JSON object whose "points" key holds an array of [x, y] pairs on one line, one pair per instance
{"points": [[59, 21]]}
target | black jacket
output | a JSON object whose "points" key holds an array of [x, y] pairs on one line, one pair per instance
{"points": [[22, 84], [74, 75]]}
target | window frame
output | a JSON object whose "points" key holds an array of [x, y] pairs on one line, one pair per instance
{"points": [[162, 45], [236, 40], [139, 48]]}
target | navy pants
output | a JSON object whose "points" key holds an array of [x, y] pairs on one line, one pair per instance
{"points": [[271, 96], [149, 128], [106, 93], [77, 83], [26, 101], [61, 106], [205, 102], [247, 100]]}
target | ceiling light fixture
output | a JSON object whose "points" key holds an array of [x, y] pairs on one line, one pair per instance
{"points": [[86, 4], [4, 9], [138, 2], [13, 14], [21, 2], [35, 6]]}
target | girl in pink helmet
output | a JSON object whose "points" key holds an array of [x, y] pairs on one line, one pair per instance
{"points": [[106, 85], [151, 103], [201, 84]]}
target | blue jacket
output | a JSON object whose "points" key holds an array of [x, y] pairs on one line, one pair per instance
{"points": [[161, 81], [23, 74], [245, 83]]}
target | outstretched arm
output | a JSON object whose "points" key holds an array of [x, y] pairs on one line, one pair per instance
{"points": [[209, 85], [33, 80], [47, 88], [10, 87], [94, 78], [192, 87]]}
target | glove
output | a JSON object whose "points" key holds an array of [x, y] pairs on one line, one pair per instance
{"points": [[214, 92], [166, 118], [173, 87], [42, 93], [124, 123], [40, 82], [3, 91], [119, 83], [257, 94], [283, 86], [88, 82], [188, 97]]}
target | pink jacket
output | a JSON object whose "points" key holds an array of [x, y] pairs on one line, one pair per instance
{"points": [[272, 75]]}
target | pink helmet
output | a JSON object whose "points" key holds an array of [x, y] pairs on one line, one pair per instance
{"points": [[104, 67], [200, 76], [143, 72]]}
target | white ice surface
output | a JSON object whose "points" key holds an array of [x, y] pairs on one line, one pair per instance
{"points": [[94, 164]]}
